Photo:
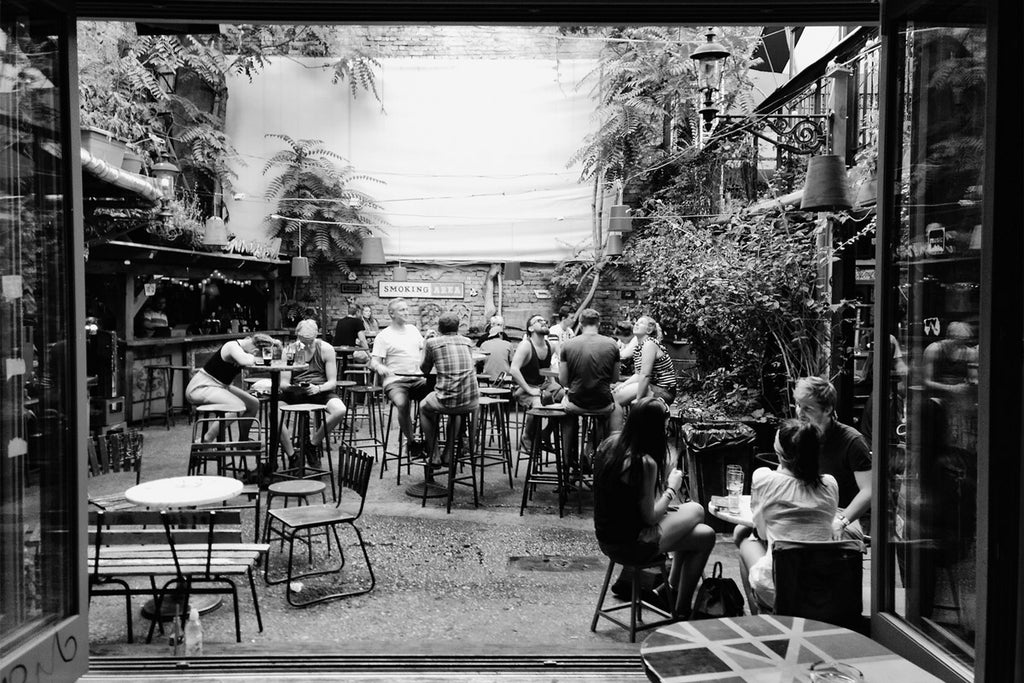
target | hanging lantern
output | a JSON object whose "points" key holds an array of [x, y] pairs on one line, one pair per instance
{"points": [[373, 252], [513, 270], [300, 266], [216, 232], [826, 187], [401, 273], [620, 220], [614, 245], [166, 174]]}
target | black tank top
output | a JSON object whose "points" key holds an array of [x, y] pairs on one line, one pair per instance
{"points": [[617, 517], [221, 370], [532, 367]]}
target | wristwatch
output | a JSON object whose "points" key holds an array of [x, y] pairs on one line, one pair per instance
{"points": [[843, 520]]}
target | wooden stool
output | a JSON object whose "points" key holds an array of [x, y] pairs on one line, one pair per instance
{"points": [[303, 416], [635, 604], [538, 470], [216, 413], [494, 430], [166, 372], [397, 455]]}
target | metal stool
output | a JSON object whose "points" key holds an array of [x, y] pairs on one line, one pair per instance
{"points": [[166, 372], [216, 413], [370, 398], [590, 430], [493, 441], [303, 416], [342, 386], [455, 456], [538, 466], [635, 604], [397, 457]]}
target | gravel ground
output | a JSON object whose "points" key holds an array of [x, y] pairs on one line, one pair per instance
{"points": [[445, 583]]}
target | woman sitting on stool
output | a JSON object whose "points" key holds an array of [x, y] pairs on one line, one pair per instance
{"points": [[793, 503], [211, 385], [633, 522]]}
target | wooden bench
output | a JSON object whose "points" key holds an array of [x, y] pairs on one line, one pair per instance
{"points": [[201, 550]]}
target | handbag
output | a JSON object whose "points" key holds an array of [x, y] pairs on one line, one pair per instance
{"points": [[717, 597]]}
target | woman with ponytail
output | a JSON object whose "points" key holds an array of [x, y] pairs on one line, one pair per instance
{"points": [[793, 503]]}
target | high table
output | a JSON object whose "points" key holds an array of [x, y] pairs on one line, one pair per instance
{"points": [[275, 391], [766, 648], [743, 518], [176, 492]]}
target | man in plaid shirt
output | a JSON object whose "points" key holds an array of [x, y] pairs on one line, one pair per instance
{"points": [[456, 390]]}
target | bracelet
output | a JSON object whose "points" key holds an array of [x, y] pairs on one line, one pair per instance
{"points": [[670, 492], [843, 520]]}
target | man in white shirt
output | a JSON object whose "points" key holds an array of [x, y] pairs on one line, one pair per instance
{"points": [[396, 357]]}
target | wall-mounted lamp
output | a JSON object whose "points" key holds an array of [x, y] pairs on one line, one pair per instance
{"points": [[166, 174], [709, 58]]}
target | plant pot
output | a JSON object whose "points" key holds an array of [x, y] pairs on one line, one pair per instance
{"points": [[132, 162], [102, 144]]}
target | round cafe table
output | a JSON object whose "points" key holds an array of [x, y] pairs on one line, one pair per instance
{"points": [[744, 517], [766, 648], [176, 492]]}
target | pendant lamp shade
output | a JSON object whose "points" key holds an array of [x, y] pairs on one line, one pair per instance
{"points": [[614, 245], [300, 266], [373, 252], [401, 273], [513, 271], [215, 233], [620, 220], [826, 187]]}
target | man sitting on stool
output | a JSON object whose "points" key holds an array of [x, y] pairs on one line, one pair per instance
{"points": [[315, 384], [589, 364], [456, 391], [397, 353]]}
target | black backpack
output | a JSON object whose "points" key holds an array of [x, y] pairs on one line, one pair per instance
{"points": [[717, 597]]}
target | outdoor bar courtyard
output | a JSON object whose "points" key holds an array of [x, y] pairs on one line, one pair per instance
{"points": [[410, 349]]}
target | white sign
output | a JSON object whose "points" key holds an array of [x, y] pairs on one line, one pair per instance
{"points": [[421, 290]]}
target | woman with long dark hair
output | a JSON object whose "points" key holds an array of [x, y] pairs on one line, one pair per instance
{"points": [[794, 503], [635, 515]]}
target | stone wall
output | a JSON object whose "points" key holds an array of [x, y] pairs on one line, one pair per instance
{"points": [[521, 299]]}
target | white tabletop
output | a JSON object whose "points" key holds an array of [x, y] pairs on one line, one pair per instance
{"points": [[184, 491], [744, 517]]}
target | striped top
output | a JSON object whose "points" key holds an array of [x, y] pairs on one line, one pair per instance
{"points": [[664, 373]]}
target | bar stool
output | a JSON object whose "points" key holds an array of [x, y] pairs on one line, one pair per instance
{"points": [[538, 466], [341, 387], [222, 414], [455, 455], [367, 404], [166, 373], [635, 605], [493, 441], [590, 429], [301, 417], [403, 446], [224, 459]]}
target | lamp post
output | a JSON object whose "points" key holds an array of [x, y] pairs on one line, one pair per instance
{"points": [[709, 58]]}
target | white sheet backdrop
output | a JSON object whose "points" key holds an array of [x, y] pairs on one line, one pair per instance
{"points": [[472, 152]]}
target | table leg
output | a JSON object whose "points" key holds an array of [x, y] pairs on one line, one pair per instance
{"points": [[275, 430]]}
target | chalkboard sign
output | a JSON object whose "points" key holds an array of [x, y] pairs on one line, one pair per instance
{"points": [[351, 288]]}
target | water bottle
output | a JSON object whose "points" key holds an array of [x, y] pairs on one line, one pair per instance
{"points": [[193, 635]]}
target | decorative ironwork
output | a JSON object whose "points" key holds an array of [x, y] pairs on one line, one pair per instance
{"points": [[797, 133]]}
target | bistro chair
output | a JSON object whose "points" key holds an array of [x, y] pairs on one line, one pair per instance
{"points": [[354, 470], [242, 460], [819, 580]]}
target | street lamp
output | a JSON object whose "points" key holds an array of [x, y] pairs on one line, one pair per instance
{"points": [[709, 58], [166, 174]]}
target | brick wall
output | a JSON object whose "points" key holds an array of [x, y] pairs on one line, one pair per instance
{"points": [[520, 300], [472, 42]]}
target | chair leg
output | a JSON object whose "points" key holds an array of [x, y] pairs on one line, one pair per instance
{"points": [[255, 600], [604, 592]]}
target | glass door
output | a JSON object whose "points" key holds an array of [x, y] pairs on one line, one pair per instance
{"points": [[43, 628]]}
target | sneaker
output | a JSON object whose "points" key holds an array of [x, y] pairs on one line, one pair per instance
{"points": [[416, 449]]}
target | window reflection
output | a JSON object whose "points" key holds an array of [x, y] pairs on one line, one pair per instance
{"points": [[37, 473], [933, 474]]}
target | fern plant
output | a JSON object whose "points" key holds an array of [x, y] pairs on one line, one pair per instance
{"points": [[314, 198]]}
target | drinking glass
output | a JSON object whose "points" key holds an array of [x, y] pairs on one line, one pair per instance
{"points": [[835, 672], [734, 487], [268, 353]]}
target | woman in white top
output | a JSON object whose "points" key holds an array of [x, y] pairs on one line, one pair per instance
{"points": [[793, 503]]}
